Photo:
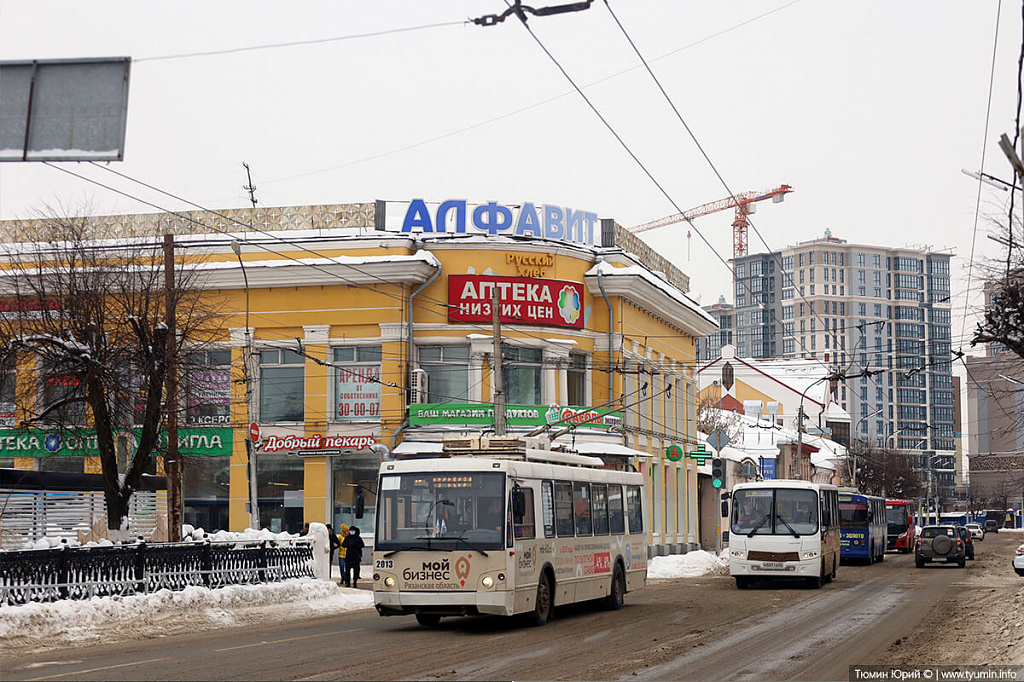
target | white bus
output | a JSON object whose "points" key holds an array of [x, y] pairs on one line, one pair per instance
{"points": [[505, 534], [784, 529]]}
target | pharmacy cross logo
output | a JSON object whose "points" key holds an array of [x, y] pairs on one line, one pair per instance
{"points": [[569, 304]]}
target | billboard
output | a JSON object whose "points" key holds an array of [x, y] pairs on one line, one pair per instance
{"points": [[524, 300]]}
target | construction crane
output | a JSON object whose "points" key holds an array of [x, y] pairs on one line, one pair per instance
{"points": [[742, 202]]}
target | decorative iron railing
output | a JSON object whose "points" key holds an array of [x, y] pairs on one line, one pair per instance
{"points": [[42, 575]]}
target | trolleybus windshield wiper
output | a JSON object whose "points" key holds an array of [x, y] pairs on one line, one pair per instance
{"points": [[795, 534], [469, 544], [408, 548]]}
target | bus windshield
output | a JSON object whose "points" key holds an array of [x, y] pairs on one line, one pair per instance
{"points": [[896, 518], [775, 511], [853, 514], [441, 510]]}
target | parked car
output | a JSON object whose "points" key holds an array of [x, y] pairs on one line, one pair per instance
{"points": [[977, 532], [991, 526], [940, 543], [965, 535], [1018, 560]]}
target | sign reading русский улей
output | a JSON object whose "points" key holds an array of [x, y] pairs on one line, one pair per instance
{"points": [[524, 300]]}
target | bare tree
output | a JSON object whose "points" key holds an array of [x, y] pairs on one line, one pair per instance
{"points": [[882, 471], [89, 314], [710, 417]]}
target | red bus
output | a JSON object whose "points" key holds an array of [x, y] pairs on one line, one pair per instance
{"points": [[901, 531]]}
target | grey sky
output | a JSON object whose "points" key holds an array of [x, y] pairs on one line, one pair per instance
{"points": [[869, 110]]}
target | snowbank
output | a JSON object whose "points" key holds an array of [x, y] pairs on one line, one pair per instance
{"points": [[689, 565], [164, 612]]}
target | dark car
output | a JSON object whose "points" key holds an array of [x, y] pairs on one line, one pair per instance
{"points": [[991, 526], [940, 543], [965, 535]]}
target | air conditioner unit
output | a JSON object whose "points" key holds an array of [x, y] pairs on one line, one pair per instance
{"points": [[418, 388]]}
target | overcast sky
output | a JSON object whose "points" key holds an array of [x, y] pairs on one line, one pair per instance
{"points": [[869, 110]]}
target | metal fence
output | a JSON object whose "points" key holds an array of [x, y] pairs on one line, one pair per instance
{"points": [[42, 575]]}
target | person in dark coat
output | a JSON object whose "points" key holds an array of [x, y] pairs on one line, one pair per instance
{"points": [[353, 545], [335, 544]]}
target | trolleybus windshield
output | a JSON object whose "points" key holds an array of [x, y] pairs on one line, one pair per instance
{"points": [[778, 511]]}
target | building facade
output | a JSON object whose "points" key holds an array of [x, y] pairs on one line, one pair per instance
{"points": [[858, 307], [356, 333]]}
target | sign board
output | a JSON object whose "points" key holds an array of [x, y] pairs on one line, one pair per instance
{"points": [[767, 468], [482, 414], [317, 444], [357, 392], [718, 439], [64, 109], [524, 300], [528, 219], [254, 432], [674, 453], [198, 442], [700, 455]]}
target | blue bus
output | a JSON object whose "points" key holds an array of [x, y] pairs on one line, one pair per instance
{"points": [[863, 527]]}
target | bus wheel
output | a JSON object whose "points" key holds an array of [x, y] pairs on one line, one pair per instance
{"points": [[817, 581], [428, 620], [542, 608], [618, 592]]}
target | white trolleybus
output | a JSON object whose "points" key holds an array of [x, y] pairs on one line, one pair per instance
{"points": [[501, 529], [784, 529]]}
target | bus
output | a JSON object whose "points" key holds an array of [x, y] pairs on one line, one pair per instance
{"points": [[862, 523], [503, 533], [784, 529], [901, 531]]}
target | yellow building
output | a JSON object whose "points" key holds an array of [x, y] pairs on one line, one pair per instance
{"points": [[370, 335]]}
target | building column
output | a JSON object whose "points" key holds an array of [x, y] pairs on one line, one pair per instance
{"points": [[315, 505], [480, 346], [238, 478]]}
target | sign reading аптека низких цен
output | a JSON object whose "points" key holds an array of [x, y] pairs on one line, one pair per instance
{"points": [[523, 300]]}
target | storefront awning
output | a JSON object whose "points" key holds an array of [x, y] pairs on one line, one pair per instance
{"points": [[609, 449]]}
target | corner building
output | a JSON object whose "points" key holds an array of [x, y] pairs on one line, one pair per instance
{"points": [[370, 335]]}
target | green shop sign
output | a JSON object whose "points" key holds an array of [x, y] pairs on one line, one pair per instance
{"points": [[197, 442], [477, 414]]}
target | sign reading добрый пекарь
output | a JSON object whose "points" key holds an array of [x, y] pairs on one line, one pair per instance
{"points": [[482, 414]]}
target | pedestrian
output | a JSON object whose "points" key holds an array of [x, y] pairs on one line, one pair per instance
{"points": [[341, 554], [353, 545], [305, 530], [335, 542]]}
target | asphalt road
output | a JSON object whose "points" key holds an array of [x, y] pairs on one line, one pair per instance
{"points": [[701, 628]]}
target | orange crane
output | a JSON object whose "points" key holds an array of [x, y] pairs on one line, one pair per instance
{"points": [[742, 202]]}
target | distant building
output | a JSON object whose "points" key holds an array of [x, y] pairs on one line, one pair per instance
{"points": [[853, 307], [710, 347]]}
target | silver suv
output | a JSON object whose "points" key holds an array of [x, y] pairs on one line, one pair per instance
{"points": [[940, 543]]}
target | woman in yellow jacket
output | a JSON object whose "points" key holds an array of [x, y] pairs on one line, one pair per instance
{"points": [[342, 534]]}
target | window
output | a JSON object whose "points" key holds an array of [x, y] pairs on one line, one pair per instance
{"points": [[282, 386], [860, 260], [581, 508], [576, 376], [8, 381], [58, 384], [357, 383], [547, 508], [787, 312], [787, 262], [876, 260], [616, 518], [741, 270], [521, 372], [600, 509], [525, 527], [564, 524], [447, 369], [207, 388], [634, 509]]}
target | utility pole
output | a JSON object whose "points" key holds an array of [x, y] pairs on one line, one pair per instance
{"points": [[172, 460], [496, 378], [799, 441]]}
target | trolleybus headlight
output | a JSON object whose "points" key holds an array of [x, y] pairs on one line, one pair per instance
{"points": [[487, 581], [389, 581], [856, 542], [736, 553], [1020, 551], [809, 554], [501, 577]]}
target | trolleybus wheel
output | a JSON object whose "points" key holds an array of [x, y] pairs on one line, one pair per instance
{"points": [[817, 581], [542, 607], [618, 591], [428, 620]]}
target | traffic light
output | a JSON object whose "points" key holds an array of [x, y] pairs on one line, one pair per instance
{"points": [[717, 472]]}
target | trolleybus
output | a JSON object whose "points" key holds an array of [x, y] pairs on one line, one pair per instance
{"points": [[901, 531], [862, 524], [784, 529], [505, 533]]}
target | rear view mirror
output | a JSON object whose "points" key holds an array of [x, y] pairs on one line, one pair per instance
{"points": [[725, 509], [518, 503], [360, 504]]}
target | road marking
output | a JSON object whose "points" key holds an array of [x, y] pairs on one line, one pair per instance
{"points": [[289, 639], [94, 670], [43, 664]]}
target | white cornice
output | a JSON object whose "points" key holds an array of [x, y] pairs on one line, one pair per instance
{"points": [[639, 290]]}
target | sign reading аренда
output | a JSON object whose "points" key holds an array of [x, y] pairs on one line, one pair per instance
{"points": [[523, 300]]}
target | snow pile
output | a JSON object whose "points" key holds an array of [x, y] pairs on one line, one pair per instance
{"points": [[165, 612], [689, 565], [190, 534]]}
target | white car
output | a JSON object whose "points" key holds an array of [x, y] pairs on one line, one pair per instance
{"points": [[977, 532], [1018, 560]]}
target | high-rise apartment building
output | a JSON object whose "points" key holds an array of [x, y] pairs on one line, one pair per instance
{"points": [[856, 306], [710, 347]]}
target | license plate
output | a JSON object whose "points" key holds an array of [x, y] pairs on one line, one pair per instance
{"points": [[772, 565]]}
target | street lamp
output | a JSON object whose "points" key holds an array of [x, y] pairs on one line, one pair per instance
{"points": [[250, 447]]}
